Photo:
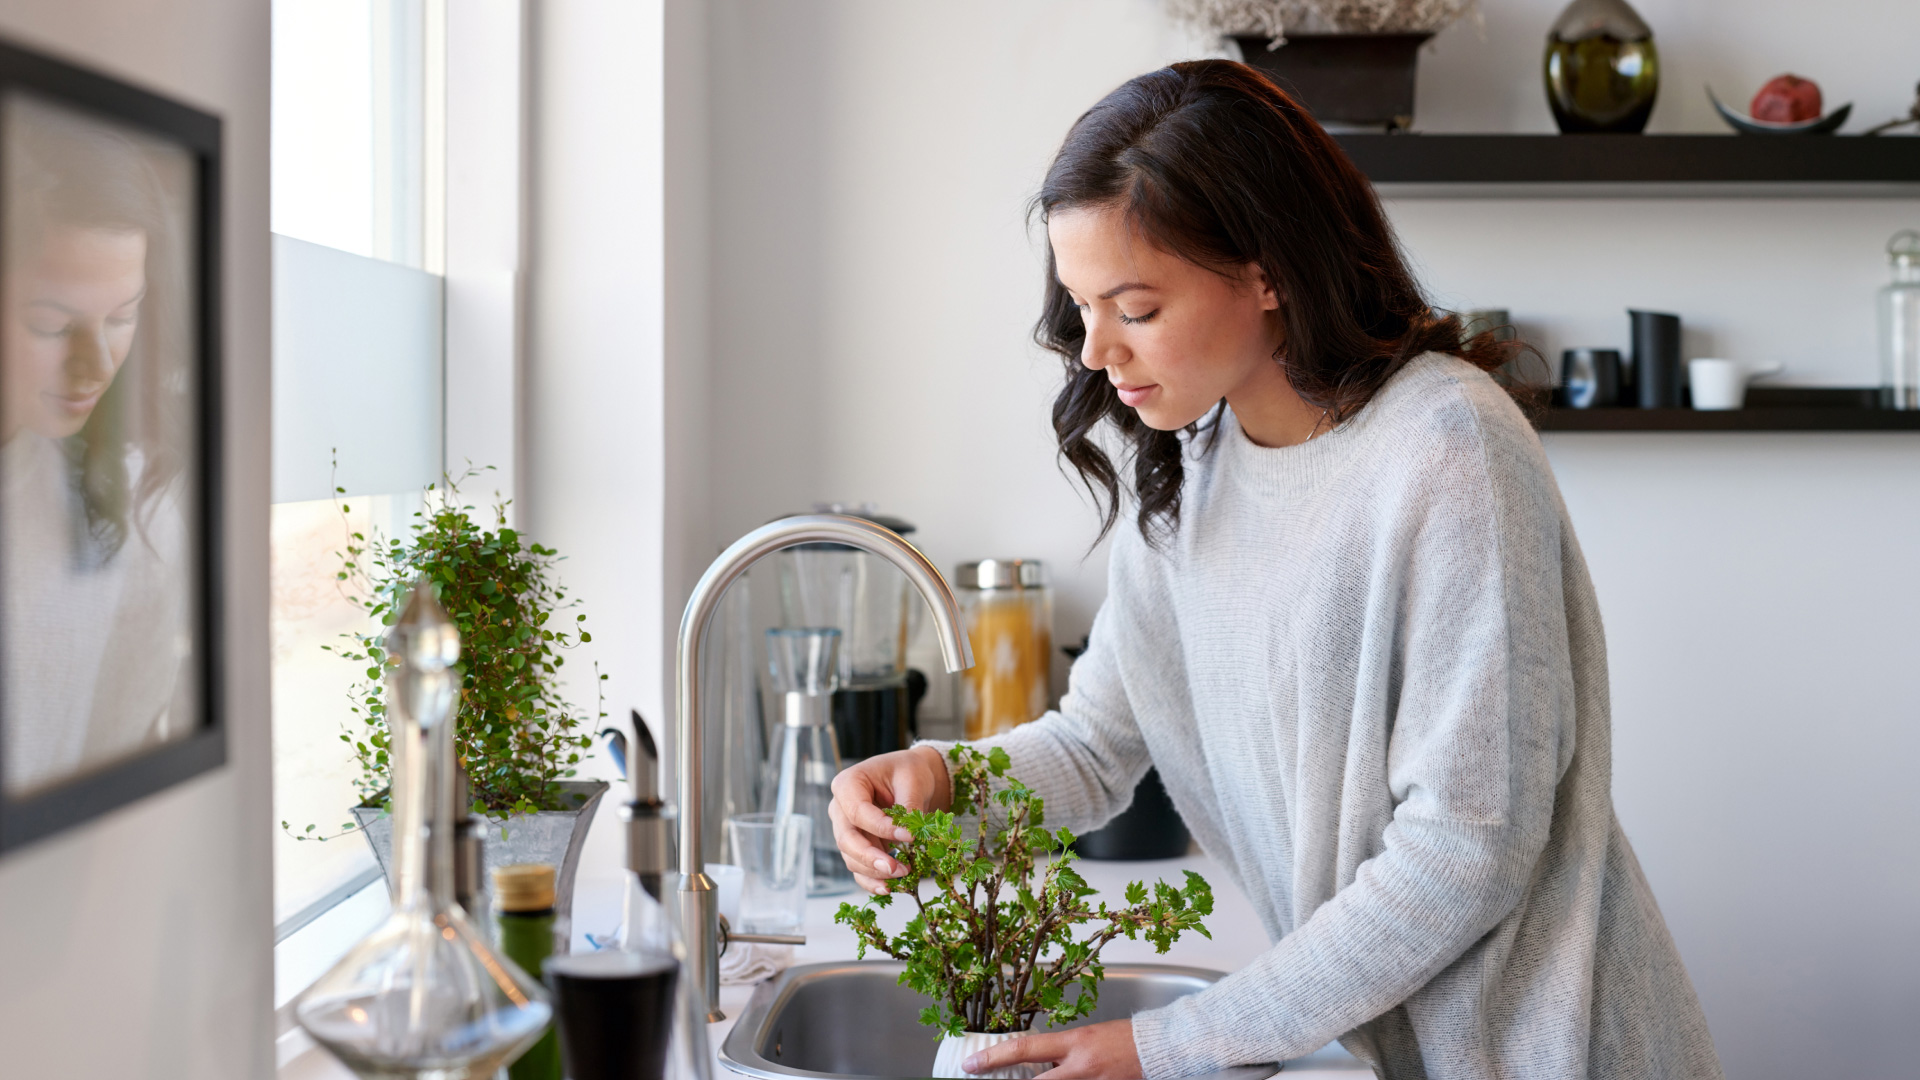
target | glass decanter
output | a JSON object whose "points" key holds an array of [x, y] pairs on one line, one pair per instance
{"points": [[804, 663], [423, 997]]}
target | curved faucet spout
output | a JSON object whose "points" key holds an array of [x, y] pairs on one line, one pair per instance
{"points": [[699, 915]]}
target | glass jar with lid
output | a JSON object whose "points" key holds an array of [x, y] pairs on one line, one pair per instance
{"points": [[1009, 617], [1900, 324]]}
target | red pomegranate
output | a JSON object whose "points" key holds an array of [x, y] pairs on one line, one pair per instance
{"points": [[1786, 99]]}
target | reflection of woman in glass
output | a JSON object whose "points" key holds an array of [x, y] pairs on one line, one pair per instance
{"points": [[94, 410]]}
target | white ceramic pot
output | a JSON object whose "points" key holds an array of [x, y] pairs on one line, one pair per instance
{"points": [[955, 1049], [1722, 384]]}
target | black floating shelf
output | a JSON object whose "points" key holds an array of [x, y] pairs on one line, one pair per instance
{"points": [[1413, 165], [1769, 408]]}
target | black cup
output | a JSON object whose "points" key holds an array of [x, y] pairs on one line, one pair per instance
{"points": [[1657, 372], [1591, 377], [614, 1012]]}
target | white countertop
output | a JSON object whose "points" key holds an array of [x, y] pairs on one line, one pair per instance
{"points": [[1237, 938]]}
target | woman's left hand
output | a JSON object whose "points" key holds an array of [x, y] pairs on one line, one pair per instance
{"points": [[1103, 1051]]}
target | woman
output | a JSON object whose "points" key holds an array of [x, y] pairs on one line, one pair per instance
{"points": [[94, 430], [1349, 624]]}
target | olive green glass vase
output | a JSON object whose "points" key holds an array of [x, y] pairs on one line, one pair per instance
{"points": [[1602, 70]]}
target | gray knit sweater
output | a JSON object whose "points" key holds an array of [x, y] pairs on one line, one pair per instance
{"points": [[1371, 672]]}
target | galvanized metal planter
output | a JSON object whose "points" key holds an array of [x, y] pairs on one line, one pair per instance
{"points": [[554, 837]]}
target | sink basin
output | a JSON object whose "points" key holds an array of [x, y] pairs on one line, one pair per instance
{"points": [[855, 1020]]}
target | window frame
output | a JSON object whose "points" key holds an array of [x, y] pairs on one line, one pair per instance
{"points": [[475, 69]]}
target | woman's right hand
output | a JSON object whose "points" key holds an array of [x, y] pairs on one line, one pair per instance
{"points": [[915, 778]]}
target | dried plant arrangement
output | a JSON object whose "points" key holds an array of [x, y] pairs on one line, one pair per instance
{"points": [[992, 941], [1276, 18]]}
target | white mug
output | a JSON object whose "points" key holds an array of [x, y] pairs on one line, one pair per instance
{"points": [[1722, 384]]}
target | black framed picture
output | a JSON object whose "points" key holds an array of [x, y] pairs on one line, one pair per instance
{"points": [[110, 504]]}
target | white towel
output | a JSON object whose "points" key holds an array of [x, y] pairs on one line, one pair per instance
{"points": [[748, 962]]}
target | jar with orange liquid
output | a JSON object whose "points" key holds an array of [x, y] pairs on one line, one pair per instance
{"points": [[1009, 618]]}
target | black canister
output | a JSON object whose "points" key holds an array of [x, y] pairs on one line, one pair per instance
{"points": [[1149, 829], [1657, 371]]}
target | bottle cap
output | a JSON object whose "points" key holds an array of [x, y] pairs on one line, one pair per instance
{"points": [[523, 887], [1904, 249], [1001, 574]]}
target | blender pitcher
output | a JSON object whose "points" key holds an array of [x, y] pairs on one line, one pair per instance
{"points": [[865, 598]]}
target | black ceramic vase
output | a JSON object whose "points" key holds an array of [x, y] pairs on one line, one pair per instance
{"points": [[1602, 70], [1150, 828]]}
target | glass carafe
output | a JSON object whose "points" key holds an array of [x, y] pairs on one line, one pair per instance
{"points": [[423, 996], [735, 733], [865, 598], [804, 663], [647, 929], [1900, 324]]}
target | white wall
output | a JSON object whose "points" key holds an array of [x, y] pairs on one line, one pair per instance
{"points": [[594, 480], [1762, 630], [140, 945], [873, 285], [873, 280], [616, 403]]}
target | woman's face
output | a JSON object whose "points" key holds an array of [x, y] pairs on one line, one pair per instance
{"points": [[70, 308], [1173, 337]]}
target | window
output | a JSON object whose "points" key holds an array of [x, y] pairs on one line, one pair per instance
{"points": [[358, 374], [396, 217]]}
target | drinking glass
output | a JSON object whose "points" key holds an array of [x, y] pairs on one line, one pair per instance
{"points": [[775, 855]]}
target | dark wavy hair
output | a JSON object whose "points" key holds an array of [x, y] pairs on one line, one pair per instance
{"points": [[1213, 163]]}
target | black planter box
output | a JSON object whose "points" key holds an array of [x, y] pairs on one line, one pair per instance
{"points": [[1348, 79]]}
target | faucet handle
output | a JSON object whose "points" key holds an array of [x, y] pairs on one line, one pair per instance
{"points": [[805, 660]]}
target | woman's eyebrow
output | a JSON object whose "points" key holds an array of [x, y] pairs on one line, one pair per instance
{"points": [[1128, 287], [65, 310]]}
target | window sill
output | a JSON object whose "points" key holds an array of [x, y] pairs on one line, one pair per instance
{"points": [[305, 954]]}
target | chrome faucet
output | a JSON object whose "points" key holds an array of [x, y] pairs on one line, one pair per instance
{"points": [[698, 902]]}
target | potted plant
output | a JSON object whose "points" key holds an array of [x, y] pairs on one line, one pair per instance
{"points": [[516, 739], [993, 937], [1350, 62]]}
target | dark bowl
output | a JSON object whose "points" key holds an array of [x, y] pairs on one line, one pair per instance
{"points": [[1747, 125]]}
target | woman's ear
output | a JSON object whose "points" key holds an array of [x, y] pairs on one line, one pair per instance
{"points": [[1269, 296]]}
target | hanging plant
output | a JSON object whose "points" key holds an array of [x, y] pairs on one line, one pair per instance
{"points": [[993, 938]]}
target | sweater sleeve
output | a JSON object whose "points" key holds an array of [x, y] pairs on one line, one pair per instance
{"points": [[1477, 692], [1086, 757]]}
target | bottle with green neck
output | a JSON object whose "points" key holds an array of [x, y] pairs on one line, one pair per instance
{"points": [[523, 897]]}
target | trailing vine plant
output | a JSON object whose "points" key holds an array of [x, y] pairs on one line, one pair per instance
{"points": [[992, 940], [514, 736]]}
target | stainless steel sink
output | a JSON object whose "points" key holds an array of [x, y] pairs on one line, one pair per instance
{"points": [[855, 1020]]}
